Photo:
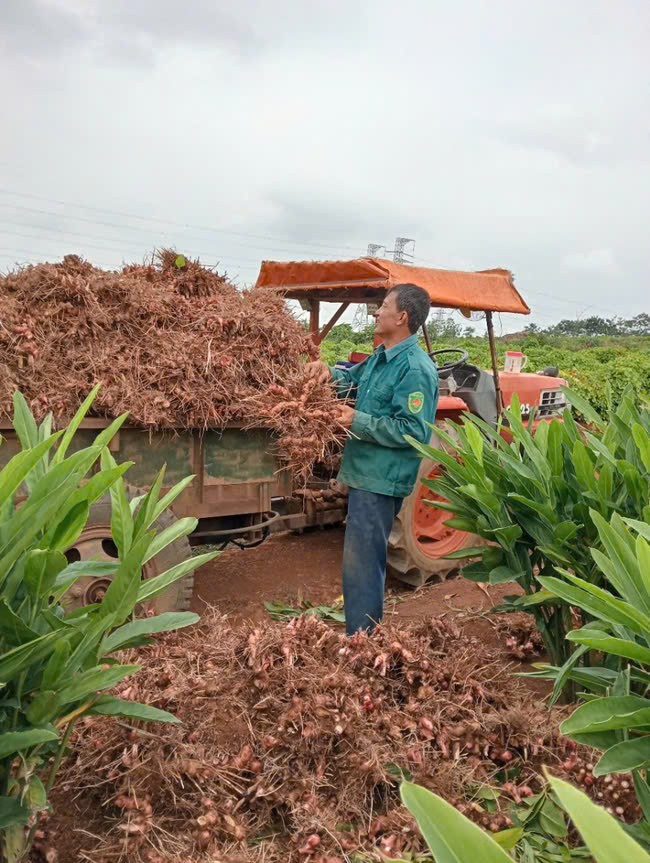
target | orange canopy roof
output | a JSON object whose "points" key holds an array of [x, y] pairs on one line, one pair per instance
{"points": [[361, 279]]}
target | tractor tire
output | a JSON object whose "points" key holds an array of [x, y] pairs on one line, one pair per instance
{"points": [[419, 540], [96, 543]]}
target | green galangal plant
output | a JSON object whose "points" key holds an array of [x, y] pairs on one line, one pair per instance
{"points": [[616, 716], [453, 838], [529, 490], [56, 664]]}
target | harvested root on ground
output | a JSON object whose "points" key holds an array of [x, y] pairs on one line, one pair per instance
{"points": [[293, 739], [171, 342]]}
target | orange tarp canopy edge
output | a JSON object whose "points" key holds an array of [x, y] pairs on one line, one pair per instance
{"points": [[490, 290]]}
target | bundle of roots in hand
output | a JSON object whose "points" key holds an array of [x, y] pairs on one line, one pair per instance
{"points": [[172, 343], [293, 739]]}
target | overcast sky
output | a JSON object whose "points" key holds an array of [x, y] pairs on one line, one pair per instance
{"points": [[495, 134]]}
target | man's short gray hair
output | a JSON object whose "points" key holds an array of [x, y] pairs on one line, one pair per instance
{"points": [[415, 302]]}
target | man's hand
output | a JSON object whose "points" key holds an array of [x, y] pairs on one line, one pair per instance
{"points": [[318, 370], [345, 415]]}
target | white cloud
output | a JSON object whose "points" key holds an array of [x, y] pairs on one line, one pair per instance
{"points": [[595, 261], [500, 134]]}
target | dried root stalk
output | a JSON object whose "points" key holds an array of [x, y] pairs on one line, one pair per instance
{"points": [[175, 346], [293, 737]]}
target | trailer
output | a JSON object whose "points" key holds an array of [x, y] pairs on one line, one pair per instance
{"points": [[241, 492]]}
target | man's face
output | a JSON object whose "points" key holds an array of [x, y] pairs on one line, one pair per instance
{"points": [[389, 319]]}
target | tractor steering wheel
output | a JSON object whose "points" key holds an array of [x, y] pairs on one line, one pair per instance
{"points": [[451, 364]]}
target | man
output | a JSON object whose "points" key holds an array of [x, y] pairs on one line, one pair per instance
{"points": [[395, 392]]}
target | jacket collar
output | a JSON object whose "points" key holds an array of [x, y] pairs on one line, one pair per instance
{"points": [[397, 349]]}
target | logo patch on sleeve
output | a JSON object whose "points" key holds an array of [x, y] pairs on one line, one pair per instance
{"points": [[416, 402]]}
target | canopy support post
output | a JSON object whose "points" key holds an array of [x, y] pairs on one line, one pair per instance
{"points": [[314, 313], [426, 337], [333, 320], [495, 364]]}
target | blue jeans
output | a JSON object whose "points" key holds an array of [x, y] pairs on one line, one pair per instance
{"points": [[369, 522]]}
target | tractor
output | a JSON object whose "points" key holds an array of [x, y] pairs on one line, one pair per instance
{"points": [[420, 540]]}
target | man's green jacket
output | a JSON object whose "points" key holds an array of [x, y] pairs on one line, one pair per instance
{"points": [[396, 394]]}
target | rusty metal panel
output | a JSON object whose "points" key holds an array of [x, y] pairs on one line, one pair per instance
{"points": [[235, 472], [151, 450], [237, 456]]}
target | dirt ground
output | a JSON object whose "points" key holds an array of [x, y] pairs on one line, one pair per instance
{"points": [[294, 567], [291, 568]]}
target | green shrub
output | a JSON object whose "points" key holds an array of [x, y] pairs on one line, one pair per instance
{"points": [[616, 718], [56, 663], [453, 838], [533, 498]]}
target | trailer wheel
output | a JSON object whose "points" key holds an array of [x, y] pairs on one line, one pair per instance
{"points": [[96, 543], [419, 539]]}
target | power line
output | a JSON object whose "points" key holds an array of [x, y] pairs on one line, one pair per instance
{"points": [[154, 219]]}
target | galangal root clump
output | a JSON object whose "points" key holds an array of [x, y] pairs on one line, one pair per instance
{"points": [[172, 343], [294, 737]]}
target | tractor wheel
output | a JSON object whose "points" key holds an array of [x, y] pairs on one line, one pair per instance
{"points": [[96, 543], [419, 539]]}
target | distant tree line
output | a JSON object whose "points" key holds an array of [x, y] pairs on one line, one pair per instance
{"points": [[639, 325]]}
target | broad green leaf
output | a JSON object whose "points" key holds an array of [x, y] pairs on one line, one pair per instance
{"points": [[73, 425], [596, 640], [154, 586], [641, 527], [642, 440], [121, 518], [543, 509], [642, 790], [94, 680], [451, 837], [505, 536], [170, 497], [19, 741], [17, 468], [582, 406], [99, 483], [180, 527], [475, 440], [122, 594], [468, 525], [43, 708], [24, 422], [56, 664], [36, 795], [149, 502], [13, 812], [15, 661], [67, 577], [47, 495], [503, 574], [110, 706], [602, 834], [93, 631], [598, 602], [629, 755], [69, 529], [608, 714], [13, 630], [42, 568], [106, 435], [507, 839], [584, 467], [622, 554], [473, 551], [564, 674], [147, 626]]}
